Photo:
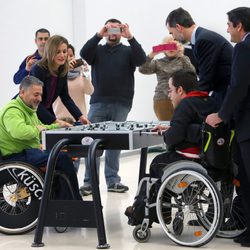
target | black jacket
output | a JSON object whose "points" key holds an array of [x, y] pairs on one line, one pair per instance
{"points": [[213, 55], [112, 69], [237, 101], [185, 126], [46, 115]]}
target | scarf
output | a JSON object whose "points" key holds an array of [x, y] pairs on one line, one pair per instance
{"points": [[74, 73]]}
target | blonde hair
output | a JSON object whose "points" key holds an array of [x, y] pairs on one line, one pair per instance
{"points": [[49, 54], [180, 47]]}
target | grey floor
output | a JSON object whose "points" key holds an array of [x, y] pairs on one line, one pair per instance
{"points": [[119, 233]]}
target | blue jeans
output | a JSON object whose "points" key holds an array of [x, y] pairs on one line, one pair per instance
{"points": [[100, 112]]}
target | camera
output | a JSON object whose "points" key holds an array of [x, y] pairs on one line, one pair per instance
{"points": [[114, 31], [78, 63], [164, 47]]}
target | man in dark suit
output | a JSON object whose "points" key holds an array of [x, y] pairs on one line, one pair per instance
{"points": [[236, 104], [213, 53]]}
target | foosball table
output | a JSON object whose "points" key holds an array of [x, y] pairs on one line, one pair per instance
{"points": [[127, 135], [89, 141]]}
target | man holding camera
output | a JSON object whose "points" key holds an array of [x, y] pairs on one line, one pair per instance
{"points": [[112, 69], [41, 37]]}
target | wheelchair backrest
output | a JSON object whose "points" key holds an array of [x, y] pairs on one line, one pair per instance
{"points": [[216, 150]]}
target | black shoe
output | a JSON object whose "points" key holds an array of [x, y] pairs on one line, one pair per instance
{"points": [[193, 223], [245, 242], [241, 237], [232, 225]]}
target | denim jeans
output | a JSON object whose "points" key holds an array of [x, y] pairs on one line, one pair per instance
{"points": [[100, 112]]}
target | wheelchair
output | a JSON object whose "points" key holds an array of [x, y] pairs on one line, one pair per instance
{"points": [[192, 201], [21, 187]]}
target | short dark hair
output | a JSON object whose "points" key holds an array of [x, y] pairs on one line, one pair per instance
{"points": [[70, 46], [186, 79], [28, 81], [240, 15], [113, 20], [181, 17], [42, 30]]}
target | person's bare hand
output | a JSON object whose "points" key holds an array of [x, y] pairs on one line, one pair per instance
{"points": [[213, 120], [160, 129], [30, 60], [125, 31], [63, 124], [41, 128], [84, 120]]}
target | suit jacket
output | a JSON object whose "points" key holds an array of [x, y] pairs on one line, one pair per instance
{"points": [[213, 55], [46, 115], [237, 101]]}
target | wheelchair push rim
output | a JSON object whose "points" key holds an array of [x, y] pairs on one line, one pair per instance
{"points": [[192, 193]]}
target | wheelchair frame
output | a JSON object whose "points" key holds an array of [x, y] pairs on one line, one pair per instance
{"points": [[195, 197]]}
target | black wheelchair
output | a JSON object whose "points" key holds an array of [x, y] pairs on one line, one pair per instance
{"points": [[193, 200], [21, 188]]}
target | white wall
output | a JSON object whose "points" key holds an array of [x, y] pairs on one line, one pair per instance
{"points": [[19, 21], [78, 20]]}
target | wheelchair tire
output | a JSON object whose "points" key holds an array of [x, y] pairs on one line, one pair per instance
{"points": [[191, 193], [21, 187], [140, 235]]}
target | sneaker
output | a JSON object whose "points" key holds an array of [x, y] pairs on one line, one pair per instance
{"points": [[118, 188], [85, 190]]}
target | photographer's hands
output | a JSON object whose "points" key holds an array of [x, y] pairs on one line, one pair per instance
{"points": [[125, 32], [30, 61]]}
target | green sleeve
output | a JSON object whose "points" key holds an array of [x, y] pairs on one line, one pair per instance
{"points": [[16, 125]]}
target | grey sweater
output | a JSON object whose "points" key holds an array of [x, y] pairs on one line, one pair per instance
{"points": [[164, 68]]}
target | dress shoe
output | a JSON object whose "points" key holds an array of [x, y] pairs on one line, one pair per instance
{"points": [[232, 225], [241, 237], [245, 242]]}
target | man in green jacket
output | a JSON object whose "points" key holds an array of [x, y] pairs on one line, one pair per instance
{"points": [[20, 131]]}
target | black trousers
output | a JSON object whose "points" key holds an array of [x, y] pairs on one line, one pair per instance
{"points": [[244, 176], [160, 161]]}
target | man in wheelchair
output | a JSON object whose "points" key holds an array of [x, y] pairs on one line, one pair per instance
{"points": [[20, 131], [187, 138], [183, 136]]}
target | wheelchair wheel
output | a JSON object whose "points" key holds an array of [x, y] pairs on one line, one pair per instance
{"points": [[141, 235], [233, 223], [21, 187], [61, 229], [188, 195]]}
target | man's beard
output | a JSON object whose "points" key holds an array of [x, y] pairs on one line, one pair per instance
{"points": [[113, 41]]}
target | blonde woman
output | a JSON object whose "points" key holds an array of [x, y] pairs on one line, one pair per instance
{"points": [[172, 60], [52, 70], [79, 85]]}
